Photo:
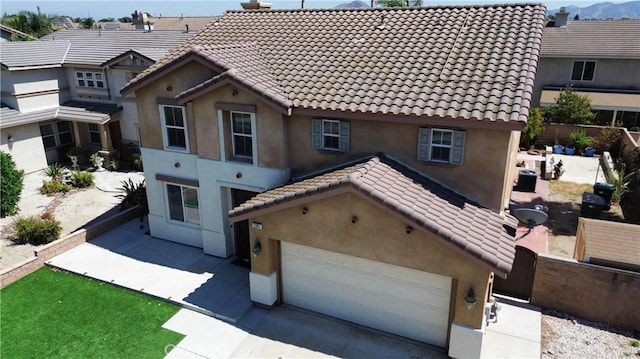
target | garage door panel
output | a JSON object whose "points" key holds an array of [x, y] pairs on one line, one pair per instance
{"points": [[382, 296]]}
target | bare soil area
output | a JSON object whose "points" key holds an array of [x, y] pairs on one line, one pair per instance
{"points": [[74, 209]]}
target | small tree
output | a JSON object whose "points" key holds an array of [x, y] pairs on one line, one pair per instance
{"points": [[571, 108], [398, 3], [10, 185], [534, 127]]}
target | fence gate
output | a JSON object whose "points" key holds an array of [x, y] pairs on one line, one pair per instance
{"points": [[519, 283]]}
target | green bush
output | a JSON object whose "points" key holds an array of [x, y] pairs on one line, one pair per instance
{"points": [[533, 128], [82, 179], [10, 185], [579, 139], [37, 231], [570, 108], [53, 186]]}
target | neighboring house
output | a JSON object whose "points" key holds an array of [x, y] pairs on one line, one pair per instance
{"points": [[142, 21], [358, 160], [609, 244], [600, 59], [66, 92], [8, 33]]}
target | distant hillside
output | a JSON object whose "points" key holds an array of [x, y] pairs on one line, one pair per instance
{"points": [[603, 11], [353, 5]]}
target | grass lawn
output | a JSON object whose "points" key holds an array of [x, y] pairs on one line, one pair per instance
{"points": [[52, 314]]}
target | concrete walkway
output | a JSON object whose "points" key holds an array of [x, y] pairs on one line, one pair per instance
{"points": [[219, 320]]}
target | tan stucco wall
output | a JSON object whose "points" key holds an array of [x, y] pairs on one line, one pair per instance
{"points": [[481, 177], [167, 86], [378, 235]]}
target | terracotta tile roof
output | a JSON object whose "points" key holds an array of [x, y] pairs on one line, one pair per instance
{"points": [[613, 241], [476, 231], [242, 64], [615, 38], [471, 62]]}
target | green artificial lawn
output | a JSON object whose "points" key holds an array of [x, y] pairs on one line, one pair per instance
{"points": [[53, 314]]}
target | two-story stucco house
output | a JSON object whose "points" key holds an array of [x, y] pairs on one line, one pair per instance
{"points": [[360, 160], [599, 59], [63, 91]]}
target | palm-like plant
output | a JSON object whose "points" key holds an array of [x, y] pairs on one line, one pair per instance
{"points": [[54, 171], [134, 194]]}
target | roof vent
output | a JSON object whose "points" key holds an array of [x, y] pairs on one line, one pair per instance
{"points": [[186, 27]]}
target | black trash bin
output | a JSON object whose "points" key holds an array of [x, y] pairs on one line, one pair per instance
{"points": [[604, 190], [527, 180], [592, 205]]}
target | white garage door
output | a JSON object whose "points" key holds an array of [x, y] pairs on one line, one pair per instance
{"points": [[394, 299]]}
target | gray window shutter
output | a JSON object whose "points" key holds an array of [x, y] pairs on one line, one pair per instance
{"points": [[424, 141], [316, 134], [457, 153], [344, 136]]}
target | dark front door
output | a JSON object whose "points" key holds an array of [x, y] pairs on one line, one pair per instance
{"points": [[519, 283], [116, 135], [241, 229]]}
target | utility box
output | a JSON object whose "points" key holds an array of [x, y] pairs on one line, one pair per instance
{"points": [[592, 205], [527, 180], [604, 190]]}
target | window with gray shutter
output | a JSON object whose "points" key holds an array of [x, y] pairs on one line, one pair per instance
{"points": [[441, 145], [331, 135]]}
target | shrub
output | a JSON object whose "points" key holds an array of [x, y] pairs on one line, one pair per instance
{"points": [[579, 139], [534, 127], [82, 179], [571, 108], [114, 164], [53, 186], [54, 171], [10, 186], [620, 184], [133, 194], [610, 139], [37, 231]]}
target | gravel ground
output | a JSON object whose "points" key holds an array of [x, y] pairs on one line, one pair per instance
{"points": [[73, 209], [564, 336]]}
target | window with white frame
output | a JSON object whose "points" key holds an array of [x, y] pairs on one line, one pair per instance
{"points": [[583, 70], [241, 134], [94, 133], [183, 203], [56, 134], [175, 127], [441, 145], [90, 79], [332, 135]]}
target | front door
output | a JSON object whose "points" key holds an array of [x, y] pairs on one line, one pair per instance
{"points": [[241, 229]]}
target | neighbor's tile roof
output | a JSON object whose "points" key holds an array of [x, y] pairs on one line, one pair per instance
{"points": [[472, 62], [476, 231], [29, 54], [613, 241], [195, 23], [610, 38], [78, 111], [152, 54], [93, 47]]}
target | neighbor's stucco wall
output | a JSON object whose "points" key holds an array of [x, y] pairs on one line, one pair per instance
{"points": [[32, 90], [378, 235], [27, 150], [609, 74], [488, 153]]}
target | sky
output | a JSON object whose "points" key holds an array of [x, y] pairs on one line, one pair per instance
{"points": [[104, 9]]}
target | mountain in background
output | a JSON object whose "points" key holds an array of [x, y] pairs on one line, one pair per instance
{"points": [[603, 11]]}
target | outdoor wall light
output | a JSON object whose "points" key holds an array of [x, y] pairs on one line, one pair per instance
{"points": [[10, 140], [354, 219], [257, 248], [470, 299], [305, 210], [409, 229]]}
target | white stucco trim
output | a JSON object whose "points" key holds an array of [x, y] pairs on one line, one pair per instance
{"points": [[264, 289], [465, 342]]}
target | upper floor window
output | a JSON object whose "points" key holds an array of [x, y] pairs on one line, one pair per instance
{"points": [[56, 134], [241, 134], [332, 135], [174, 127], [183, 203], [90, 79], [583, 70], [441, 145]]}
